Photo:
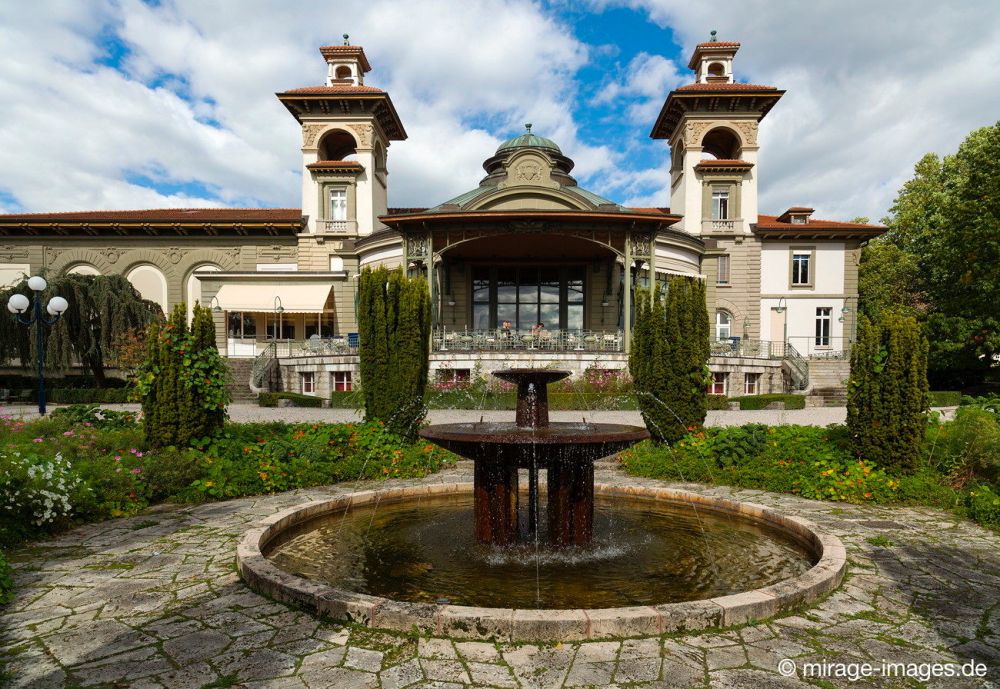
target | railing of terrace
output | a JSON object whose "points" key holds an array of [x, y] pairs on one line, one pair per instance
{"points": [[743, 347], [837, 348], [445, 340]]}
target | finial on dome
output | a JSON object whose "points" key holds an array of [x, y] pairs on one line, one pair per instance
{"points": [[712, 32], [347, 39], [528, 127]]}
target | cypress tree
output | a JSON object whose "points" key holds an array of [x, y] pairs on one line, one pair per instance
{"points": [[887, 392], [394, 328]]}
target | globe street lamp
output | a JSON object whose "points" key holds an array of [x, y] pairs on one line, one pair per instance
{"points": [[18, 305]]}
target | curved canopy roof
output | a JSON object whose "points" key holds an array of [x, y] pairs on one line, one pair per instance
{"points": [[528, 140]]}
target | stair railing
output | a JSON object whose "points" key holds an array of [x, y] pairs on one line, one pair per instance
{"points": [[262, 366], [798, 367]]}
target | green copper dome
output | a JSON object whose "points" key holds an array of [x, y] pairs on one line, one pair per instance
{"points": [[528, 140]]}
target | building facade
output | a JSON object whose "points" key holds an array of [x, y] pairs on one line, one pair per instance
{"points": [[527, 268]]}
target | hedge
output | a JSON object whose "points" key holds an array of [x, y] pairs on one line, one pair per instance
{"points": [[945, 398], [82, 395], [18, 382], [718, 402], [751, 402], [270, 399]]}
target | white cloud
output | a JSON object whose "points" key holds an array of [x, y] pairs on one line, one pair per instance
{"points": [[645, 82], [871, 87]]}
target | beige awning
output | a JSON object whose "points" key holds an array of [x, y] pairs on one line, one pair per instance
{"points": [[259, 296]]}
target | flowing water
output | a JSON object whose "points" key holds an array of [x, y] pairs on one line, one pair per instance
{"points": [[644, 552]]}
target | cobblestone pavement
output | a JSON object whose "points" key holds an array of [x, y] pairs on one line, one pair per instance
{"points": [[154, 601]]}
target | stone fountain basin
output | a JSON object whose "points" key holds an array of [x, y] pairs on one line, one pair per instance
{"points": [[564, 441], [507, 624]]}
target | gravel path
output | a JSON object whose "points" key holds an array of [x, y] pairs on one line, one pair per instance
{"points": [[153, 602]]}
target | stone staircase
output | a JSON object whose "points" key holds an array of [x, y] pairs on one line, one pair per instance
{"points": [[829, 397], [239, 381], [828, 381]]}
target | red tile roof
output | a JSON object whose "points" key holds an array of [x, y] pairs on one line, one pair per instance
{"points": [[725, 87], [170, 215], [334, 88], [771, 222], [801, 209], [719, 44], [405, 211], [335, 51], [665, 211], [724, 162]]}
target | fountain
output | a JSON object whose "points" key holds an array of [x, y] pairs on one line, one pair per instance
{"points": [[566, 450], [618, 558]]}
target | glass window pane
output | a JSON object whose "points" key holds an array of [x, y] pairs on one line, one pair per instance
{"points": [[506, 312], [481, 284], [528, 316], [527, 285], [574, 317], [481, 316], [507, 286], [550, 316], [550, 285]]}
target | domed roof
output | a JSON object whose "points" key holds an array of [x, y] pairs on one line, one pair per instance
{"points": [[528, 140]]}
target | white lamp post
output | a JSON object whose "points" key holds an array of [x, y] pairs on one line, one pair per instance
{"points": [[18, 305]]}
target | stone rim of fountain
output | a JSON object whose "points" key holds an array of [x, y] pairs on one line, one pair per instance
{"points": [[509, 624]]}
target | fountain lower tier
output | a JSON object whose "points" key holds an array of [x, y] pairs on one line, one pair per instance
{"points": [[565, 450]]}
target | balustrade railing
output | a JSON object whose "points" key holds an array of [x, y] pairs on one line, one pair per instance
{"points": [[445, 340], [345, 227]]}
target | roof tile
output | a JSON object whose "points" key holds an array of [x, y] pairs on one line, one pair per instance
{"points": [[334, 88], [725, 87]]}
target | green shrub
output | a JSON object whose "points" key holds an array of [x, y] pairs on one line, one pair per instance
{"points": [[944, 398], [38, 492], [6, 581], [83, 395], [352, 399], [967, 447], [887, 392], [990, 403], [751, 402], [270, 399], [717, 402], [983, 505], [94, 416], [394, 326]]}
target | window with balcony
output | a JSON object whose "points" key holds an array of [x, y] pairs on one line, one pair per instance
{"points": [[338, 204], [723, 325], [723, 276], [720, 204], [719, 384], [529, 296], [802, 268], [823, 317]]}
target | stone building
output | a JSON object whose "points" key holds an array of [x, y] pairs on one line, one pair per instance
{"points": [[526, 268]]}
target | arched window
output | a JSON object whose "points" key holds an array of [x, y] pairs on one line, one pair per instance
{"points": [[337, 145], [192, 291], [723, 325], [380, 163], [83, 269], [716, 69], [721, 144], [343, 72], [150, 282]]}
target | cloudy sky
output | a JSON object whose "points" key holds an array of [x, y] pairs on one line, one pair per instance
{"points": [[127, 104]]}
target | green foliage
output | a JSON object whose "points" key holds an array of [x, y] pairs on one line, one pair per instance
{"points": [[93, 415], [887, 392], [37, 491], [101, 308], [946, 223], [85, 395], [182, 382], [270, 399], [983, 505], [944, 398], [6, 581], [750, 402], [887, 280], [966, 448], [717, 402], [668, 357], [394, 328]]}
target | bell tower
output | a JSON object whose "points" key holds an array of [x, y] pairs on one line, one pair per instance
{"points": [[711, 126], [347, 128]]}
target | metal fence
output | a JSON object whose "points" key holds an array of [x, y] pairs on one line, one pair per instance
{"points": [[545, 340], [836, 348]]}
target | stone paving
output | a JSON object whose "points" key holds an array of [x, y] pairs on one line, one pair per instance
{"points": [[153, 601]]}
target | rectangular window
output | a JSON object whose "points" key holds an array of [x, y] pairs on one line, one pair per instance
{"points": [[751, 384], [720, 204], [340, 381], [308, 383], [719, 384], [801, 270], [723, 278], [823, 326], [338, 204], [519, 299], [242, 325], [287, 331]]}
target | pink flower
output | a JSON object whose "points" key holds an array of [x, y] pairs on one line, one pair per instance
{"points": [[133, 450], [137, 470], [138, 454], [68, 433], [118, 458], [38, 440]]}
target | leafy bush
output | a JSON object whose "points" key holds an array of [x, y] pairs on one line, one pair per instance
{"points": [[983, 505], [750, 402], [92, 415], [36, 491], [717, 402], [6, 581], [270, 399], [990, 403], [944, 398], [966, 448]]}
